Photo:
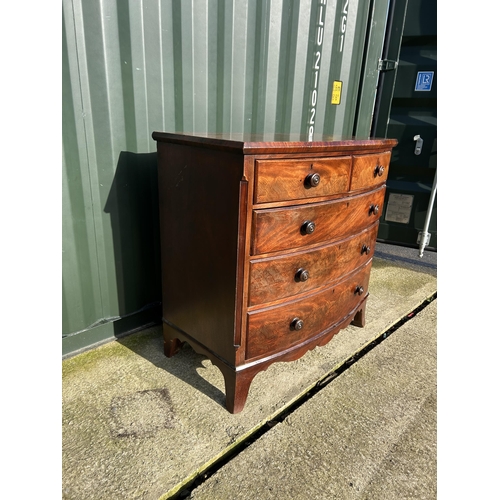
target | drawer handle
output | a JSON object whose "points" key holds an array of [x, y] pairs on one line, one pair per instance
{"points": [[373, 209], [308, 227], [302, 275], [359, 290], [296, 324], [312, 180], [379, 170], [365, 249]]}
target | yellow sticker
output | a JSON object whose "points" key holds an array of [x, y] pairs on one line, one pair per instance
{"points": [[336, 92]]}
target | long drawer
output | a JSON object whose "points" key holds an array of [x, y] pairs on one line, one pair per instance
{"points": [[279, 229], [275, 278], [277, 328]]}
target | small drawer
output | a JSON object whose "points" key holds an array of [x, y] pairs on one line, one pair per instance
{"points": [[275, 278], [283, 180], [278, 328], [369, 170], [279, 229]]}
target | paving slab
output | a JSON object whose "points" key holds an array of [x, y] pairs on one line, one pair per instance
{"points": [[139, 425], [369, 434]]}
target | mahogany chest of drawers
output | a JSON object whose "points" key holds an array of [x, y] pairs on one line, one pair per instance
{"points": [[266, 247]]}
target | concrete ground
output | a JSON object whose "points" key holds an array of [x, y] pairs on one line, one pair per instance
{"points": [[139, 425]]}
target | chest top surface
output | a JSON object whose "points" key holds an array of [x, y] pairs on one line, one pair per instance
{"points": [[248, 143]]}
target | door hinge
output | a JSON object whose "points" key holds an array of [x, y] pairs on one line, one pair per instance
{"points": [[387, 65]]}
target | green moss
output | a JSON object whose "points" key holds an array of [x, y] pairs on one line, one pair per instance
{"points": [[124, 348], [389, 278]]}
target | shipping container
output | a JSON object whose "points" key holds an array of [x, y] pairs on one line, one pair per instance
{"points": [[137, 66]]}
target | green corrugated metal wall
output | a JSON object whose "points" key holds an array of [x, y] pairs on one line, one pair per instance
{"points": [[133, 67]]}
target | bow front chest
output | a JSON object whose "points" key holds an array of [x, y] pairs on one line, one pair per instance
{"points": [[266, 246]]}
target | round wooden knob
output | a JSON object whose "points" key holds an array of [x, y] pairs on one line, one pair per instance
{"points": [[379, 170], [312, 180], [296, 324], [302, 275], [308, 227], [365, 249], [359, 290]]}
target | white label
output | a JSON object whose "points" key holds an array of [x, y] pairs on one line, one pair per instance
{"points": [[317, 58], [343, 23], [399, 208]]}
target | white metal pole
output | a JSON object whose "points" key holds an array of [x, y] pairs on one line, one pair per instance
{"points": [[425, 235]]}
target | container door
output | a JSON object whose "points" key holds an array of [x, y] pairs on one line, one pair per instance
{"points": [[406, 110]]}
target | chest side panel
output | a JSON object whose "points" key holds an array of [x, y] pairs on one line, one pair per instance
{"points": [[199, 191]]}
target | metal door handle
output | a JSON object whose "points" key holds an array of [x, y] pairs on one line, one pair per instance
{"points": [[418, 145]]}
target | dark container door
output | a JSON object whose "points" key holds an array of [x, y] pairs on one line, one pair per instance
{"points": [[406, 110]]}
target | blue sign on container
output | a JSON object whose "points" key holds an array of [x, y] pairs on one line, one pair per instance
{"points": [[424, 80]]}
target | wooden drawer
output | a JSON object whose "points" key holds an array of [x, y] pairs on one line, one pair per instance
{"points": [[285, 228], [369, 170], [283, 180], [275, 278], [272, 330]]}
